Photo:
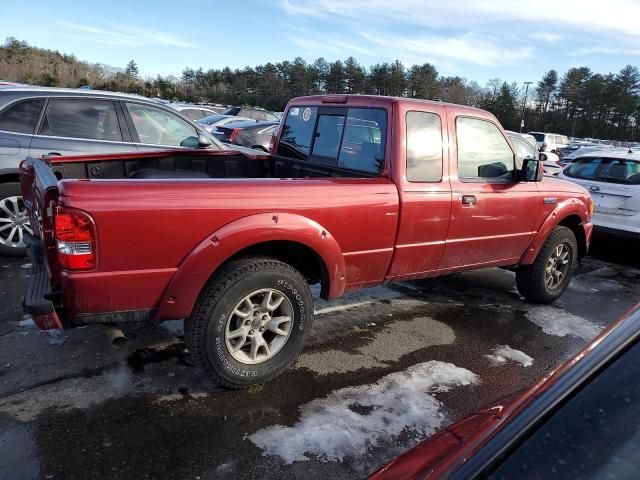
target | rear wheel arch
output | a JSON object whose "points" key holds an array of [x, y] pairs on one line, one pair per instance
{"points": [[290, 238]]}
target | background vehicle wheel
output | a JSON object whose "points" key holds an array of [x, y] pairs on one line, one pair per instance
{"points": [[250, 321], [550, 274], [14, 221]]}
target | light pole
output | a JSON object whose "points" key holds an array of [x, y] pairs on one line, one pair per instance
{"points": [[524, 104]]}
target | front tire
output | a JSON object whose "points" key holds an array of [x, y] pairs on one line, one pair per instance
{"points": [[250, 321], [549, 275]]}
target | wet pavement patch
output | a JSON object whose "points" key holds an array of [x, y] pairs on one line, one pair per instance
{"points": [[81, 410]]}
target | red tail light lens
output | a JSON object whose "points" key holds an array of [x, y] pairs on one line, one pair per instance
{"points": [[233, 135], [75, 239]]}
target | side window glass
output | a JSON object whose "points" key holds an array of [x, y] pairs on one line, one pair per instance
{"points": [[81, 118], [21, 117], [483, 153], [363, 140], [157, 127], [424, 147], [328, 138], [524, 150]]}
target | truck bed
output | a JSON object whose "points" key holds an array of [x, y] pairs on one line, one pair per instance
{"points": [[191, 165]]}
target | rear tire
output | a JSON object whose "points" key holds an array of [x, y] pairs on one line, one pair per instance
{"points": [[233, 320], [549, 275], [11, 200]]}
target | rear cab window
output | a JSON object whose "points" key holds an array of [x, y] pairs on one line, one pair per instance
{"points": [[347, 137]]}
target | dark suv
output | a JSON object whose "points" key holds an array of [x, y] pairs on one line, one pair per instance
{"points": [[38, 121]]}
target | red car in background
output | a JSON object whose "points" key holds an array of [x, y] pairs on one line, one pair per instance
{"points": [[580, 422]]}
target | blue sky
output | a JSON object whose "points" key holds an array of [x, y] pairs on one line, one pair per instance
{"points": [[514, 40]]}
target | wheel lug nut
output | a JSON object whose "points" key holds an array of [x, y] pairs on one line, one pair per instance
{"points": [[248, 322], [261, 329], [251, 332]]}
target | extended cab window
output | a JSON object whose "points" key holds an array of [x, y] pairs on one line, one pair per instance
{"points": [[351, 138], [424, 147], [81, 118], [483, 152], [157, 127], [21, 117]]}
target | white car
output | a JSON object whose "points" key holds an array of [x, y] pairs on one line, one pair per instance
{"points": [[613, 179], [550, 142], [211, 122], [525, 146]]}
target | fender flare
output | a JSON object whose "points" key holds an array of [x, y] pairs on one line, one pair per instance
{"points": [[563, 210], [196, 269]]}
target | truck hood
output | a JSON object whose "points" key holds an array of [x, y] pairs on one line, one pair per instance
{"points": [[553, 184]]}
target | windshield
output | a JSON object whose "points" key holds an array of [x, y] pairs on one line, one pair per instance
{"points": [[611, 170]]}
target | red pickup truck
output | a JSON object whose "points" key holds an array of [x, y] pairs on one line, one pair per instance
{"points": [[357, 191]]}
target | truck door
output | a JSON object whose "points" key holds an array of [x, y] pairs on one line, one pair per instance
{"points": [[421, 174], [493, 215]]}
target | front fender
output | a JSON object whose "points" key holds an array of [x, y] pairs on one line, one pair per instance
{"points": [[185, 286], [563, 210]]}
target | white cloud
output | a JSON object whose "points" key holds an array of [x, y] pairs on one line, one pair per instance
{"points": [[468, 47], [123, 35], [500, 27], [547, 37]]}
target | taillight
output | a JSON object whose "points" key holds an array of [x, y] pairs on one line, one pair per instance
{"points": [[75, 239], [233, 135]]}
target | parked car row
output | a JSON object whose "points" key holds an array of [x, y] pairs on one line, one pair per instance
{"points": [[48, 122]]}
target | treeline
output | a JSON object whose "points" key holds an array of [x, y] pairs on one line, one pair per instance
{"points": [[579, 103]]}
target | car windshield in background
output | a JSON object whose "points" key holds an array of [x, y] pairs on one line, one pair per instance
{"points": [[357, 145], [211, 119], [612, 170], [538, 136]]}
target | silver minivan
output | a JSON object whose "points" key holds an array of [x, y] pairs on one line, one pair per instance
{"points": [[45, 122]]}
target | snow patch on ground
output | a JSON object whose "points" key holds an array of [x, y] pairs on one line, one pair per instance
{"points": [[502, 353], [350, 420], [558, 322]]}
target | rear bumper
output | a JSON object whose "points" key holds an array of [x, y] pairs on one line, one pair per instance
{"points": [[37, 301]]}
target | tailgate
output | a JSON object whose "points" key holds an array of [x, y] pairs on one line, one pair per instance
{"points": [[40, 192]]}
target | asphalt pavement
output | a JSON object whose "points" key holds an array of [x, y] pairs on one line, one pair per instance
{"points": [[382, 369]]}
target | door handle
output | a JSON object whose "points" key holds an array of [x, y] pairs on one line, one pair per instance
{"points": [[52, 154], [468, 199]]}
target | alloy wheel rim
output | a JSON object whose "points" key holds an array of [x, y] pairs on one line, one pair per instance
{"points": [[557, 266], [14, 222], [259, 326]]}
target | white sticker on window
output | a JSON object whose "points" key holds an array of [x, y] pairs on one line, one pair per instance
{"points": [[294, 112], [306, 115]]}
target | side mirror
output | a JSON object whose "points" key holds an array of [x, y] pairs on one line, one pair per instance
{"points": [[204, 141], [532, 170]]}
